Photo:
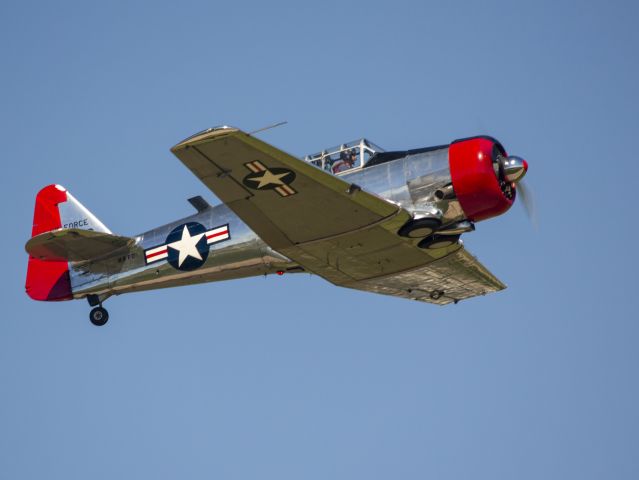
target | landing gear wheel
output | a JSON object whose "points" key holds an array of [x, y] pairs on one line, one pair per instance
{"points": [[439, 241], [419, 228], [99, 316]]}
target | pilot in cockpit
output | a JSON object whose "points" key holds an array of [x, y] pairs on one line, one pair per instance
{"points": [[347, 159]]}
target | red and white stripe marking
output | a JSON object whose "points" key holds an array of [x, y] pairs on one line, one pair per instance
{"points": [[155, 254], [215, 235]]}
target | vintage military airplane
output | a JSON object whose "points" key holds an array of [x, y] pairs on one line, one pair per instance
{"points": [[358, 216]]}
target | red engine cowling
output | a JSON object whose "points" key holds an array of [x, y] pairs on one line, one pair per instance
{"points": [[474, 171]]}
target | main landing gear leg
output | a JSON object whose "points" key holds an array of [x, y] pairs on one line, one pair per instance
{"points": [[98, 315]]}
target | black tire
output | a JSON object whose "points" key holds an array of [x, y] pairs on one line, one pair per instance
{"points": [[419, 228], [99, 316], [439, 241]]}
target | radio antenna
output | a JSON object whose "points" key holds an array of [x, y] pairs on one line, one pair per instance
{"points": [[268, 128]]}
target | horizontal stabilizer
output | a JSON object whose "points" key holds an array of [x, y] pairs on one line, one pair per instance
{"points": [[76, 245]]}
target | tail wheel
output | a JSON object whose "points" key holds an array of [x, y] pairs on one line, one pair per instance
{"points": [[99, 316], [438, 241], [420, 227]]}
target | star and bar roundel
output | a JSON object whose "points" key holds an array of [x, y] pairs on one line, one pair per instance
{"points": [[265, 178], [187, 246]]}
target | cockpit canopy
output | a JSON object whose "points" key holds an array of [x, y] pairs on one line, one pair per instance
{"points": [[345, 157]]}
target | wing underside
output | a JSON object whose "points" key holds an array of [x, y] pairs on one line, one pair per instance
{"points": [[329, 226], [456, 277]]}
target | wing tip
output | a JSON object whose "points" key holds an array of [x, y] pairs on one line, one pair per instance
{"points": [[203, 135]]}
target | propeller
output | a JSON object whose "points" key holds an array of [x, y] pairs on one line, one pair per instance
{"points": [[528, 202]]}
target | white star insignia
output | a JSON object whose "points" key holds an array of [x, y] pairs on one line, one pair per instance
{"points": [[187, 246], [269, 178]]}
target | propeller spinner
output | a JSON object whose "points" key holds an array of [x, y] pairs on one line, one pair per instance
{"points": [[514, 168]]}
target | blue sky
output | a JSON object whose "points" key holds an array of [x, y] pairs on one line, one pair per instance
{"points": [[290, 377]]}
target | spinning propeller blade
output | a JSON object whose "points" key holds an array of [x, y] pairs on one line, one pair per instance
{"points": [[528, 202]]}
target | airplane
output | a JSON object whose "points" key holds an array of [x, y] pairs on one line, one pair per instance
{"points": [[360, 217]]}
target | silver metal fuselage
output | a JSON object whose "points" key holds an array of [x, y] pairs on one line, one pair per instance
{"points": [[410, 181]]}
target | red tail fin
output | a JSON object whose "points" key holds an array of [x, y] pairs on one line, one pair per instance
{"points": [[48, 280]]}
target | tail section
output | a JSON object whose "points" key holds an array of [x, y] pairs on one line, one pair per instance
{"points": [[56, 208]]}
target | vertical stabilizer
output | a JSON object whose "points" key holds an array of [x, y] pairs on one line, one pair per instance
{"points": [[56, 208]]}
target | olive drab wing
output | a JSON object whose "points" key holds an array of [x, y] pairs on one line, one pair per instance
{"points": [[327, 225]]}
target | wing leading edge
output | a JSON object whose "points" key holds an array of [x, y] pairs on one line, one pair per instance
{"points": [[330, 227]]}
